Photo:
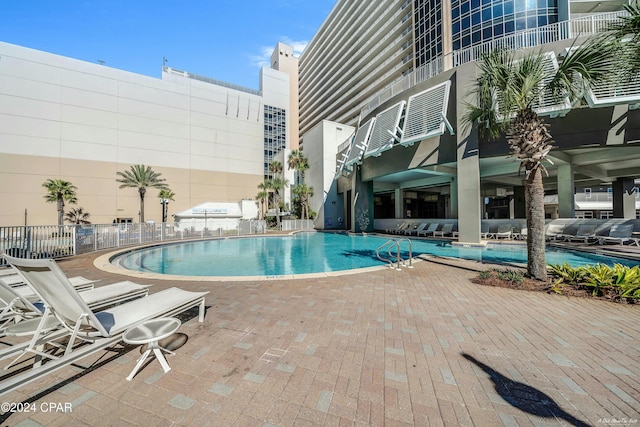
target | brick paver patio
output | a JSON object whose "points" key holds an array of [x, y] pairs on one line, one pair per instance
{"points": [[418, 347]]}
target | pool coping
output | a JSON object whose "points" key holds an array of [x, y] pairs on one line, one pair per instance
{"points": [[104, 263]]}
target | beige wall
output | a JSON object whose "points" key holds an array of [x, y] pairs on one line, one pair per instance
{"points": [[98, 193]]}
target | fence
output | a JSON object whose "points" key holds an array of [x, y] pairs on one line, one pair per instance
{"points": [[52, 241], [297, 224]]}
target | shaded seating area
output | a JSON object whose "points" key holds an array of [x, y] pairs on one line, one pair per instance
{"points": [[83, 331], [505, 231]]}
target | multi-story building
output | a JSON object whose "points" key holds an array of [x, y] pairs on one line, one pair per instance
{"points": [[62, 118], [370, 60]]}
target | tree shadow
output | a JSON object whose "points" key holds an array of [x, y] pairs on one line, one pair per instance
{"points": [[524, 397]]}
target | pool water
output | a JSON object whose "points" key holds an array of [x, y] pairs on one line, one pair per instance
{"points": [[316, 252]]}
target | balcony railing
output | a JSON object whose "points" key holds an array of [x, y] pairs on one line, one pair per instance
{"points": [[582, 26]]}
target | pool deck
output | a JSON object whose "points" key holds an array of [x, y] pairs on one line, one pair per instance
{"points": [[418, 347]]}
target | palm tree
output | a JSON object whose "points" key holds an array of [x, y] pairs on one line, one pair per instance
{"points": [[60, 191], [507, 91], [141, 177], [298, 162], [277, 185], [303, 193], [627, 27], [262, 196], [165, 195], [77, 216], [275, 167]]}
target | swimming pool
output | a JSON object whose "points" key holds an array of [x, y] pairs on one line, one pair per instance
{"points": [[315, 252]]}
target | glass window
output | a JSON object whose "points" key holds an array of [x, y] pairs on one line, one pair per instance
{"points": [[542, 4], [466, 41], [475, 37], [475, 18], [520, 5], [464, 8], [497, 30], [508, 7], [497, 10], [509, 26], [475, 4], [542, 20], [531, 22], [487, 33], [521, 24], [486, 14], [455, 12], [466, 23]]}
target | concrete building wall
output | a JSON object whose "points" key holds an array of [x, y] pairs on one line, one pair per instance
{"points": [[61, 118], [321, 146]]}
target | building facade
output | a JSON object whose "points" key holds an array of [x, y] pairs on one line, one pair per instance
{"points": [[62, 118], [403, 80]]}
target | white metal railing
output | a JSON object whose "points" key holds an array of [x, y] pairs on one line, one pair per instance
{"points": [[297, 224], [582, 26], [52, 241]]}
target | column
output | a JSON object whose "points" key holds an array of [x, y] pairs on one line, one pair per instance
{"points": [[566, 192], [453, 198], [399, 203], [624, 200], [362, 206], [468, 180], [519, 204]]}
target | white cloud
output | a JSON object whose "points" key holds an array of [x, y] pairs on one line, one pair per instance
{"points": [[264, 58]]}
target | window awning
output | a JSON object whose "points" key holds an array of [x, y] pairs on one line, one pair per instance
{"points": [[426, 114], [360, 142], [385, 130]]}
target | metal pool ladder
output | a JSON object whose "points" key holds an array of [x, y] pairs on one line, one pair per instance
{"points": [[389, 245]]}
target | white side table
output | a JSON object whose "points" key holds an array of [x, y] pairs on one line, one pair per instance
{"points": [[150, 332]]}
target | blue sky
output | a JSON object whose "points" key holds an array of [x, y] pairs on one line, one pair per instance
{"points": [[221, 39]]}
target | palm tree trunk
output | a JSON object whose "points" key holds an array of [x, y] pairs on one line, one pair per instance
{"points": [[60, 211], [534, 198], [142, 191]]}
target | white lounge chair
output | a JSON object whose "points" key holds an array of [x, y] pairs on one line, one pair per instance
{"points": [[13, 279], [584, 233], [504, 231], [415, 231], [522, 234], [447, 229], [554, 232], [401, 229], [432, 227], [398, 227], [619, 233], [79, 321]]}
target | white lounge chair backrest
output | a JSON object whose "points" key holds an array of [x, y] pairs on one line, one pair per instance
{"points": [[52, 285], [15, 302], [504, 228], [447, 228], [555, 229], [621, 231], [432, 227], [586, 230]]}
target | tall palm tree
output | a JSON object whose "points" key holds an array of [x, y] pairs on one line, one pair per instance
{"points": [[303, 193], [77, 216], [298, 162], [275, 167], [506, 92], [277, 184], [165, 195], [60, 191], [262, 196], [141, 177]]}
